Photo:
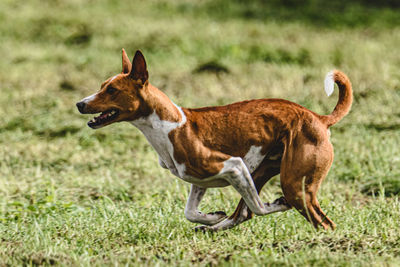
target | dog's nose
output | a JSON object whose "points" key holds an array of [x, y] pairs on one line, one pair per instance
{"points": [[81, 106]]}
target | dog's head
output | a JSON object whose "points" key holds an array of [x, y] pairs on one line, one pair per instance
{"points": [[121, 97]]}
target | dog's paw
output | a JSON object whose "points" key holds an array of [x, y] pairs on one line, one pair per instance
{"points": [[281, 201], [215, 217], [219, 213], [202, 228]]}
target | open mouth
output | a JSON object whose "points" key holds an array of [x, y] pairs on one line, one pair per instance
{"points": [[104, 118]]}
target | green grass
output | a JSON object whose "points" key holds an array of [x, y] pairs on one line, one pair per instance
{"points": [[73, 196]]}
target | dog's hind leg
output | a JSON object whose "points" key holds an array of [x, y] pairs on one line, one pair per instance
{"points": [[194, 215], [302, 172], [261, 175], [237, 174]]}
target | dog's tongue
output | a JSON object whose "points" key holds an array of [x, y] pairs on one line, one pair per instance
{"points": [[103, 115]]}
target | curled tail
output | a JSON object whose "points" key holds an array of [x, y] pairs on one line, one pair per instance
{"points": [[345, 96]]}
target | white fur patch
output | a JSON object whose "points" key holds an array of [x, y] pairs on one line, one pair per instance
{"points": [[156, 132], [88, 99], [329, 83], [112, 79], [253, 158]]}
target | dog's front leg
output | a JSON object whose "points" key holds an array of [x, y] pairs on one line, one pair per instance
{"points": [[194, 215]]}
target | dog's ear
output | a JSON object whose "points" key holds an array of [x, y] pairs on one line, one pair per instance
{"points": [[139, 68], [126, 64]]}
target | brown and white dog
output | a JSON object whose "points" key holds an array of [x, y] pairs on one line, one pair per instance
{"points": [[242, 144]]}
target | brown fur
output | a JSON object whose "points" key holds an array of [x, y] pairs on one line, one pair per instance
{"points": [[212, 135]]}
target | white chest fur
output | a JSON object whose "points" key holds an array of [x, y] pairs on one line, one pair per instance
{"points": [[156, 132]]}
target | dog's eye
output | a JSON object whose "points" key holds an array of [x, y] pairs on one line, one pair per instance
{"points": [[111, 90]]}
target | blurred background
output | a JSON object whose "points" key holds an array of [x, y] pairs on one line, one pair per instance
{"points": [[61, 182]]}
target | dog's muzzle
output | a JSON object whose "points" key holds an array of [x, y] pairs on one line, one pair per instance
{"points": [[81, 106]]}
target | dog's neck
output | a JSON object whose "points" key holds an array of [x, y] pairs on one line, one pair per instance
{"points": [[160, 104], [165, 116]]}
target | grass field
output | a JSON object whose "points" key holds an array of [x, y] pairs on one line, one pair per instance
{"points": [[70, 195]]}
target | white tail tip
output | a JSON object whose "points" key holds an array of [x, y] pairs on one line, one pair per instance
{"points": [[329, 83]]}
